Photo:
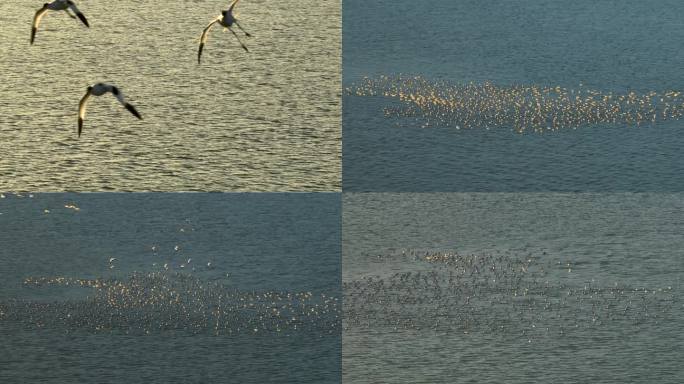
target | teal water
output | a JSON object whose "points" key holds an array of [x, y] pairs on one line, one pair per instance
{"points": [[608, 46], [257, 302]]}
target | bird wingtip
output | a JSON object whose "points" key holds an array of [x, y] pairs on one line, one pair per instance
{"points": [[133, 111]]}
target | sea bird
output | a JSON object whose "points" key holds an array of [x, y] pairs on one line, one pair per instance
{"points": [[100, 89], [57, 5], [226, 19]]}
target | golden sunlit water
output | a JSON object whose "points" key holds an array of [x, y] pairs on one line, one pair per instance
{"points": [[264, 120]]}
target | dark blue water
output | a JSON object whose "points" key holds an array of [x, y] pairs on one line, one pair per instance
{"points": [[610, 46], [254, 242]]}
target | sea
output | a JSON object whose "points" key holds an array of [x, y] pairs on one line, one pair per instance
{"points": [[617, 47], [263, 120], [170, 288], [512, 287]]}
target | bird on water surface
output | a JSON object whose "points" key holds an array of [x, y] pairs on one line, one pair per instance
{"points": [[227, 19], [57, 5], [100, 89]]}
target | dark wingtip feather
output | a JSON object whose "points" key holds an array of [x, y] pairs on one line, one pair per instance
{"points": [[245, 47], [33, 35], [80, 126], [199, 53], [133, 111], [83, 19]]}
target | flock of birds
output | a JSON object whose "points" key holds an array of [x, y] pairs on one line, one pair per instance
{"points": [[502, 292], [185, 296], [161, 301], [227, 19], [520, 107]]}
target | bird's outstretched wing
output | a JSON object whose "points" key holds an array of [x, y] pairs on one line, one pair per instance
{"points": [[203, 38], [119, 96], [232, 5], [78, 13], [132, 110], [82, 111], [36, 22]]}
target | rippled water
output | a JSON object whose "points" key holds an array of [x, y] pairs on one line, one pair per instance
{"points": [[267, 120], [608, 47], [527, 287], [170, 287]]}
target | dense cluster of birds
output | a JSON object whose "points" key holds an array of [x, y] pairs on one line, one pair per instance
{"points": [[518, 107], [500, 292], [227, 19], [159, 301]]}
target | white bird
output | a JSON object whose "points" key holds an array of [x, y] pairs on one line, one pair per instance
{"points": [[100, 89], [57, 5], [227, 19], [111, 259]]}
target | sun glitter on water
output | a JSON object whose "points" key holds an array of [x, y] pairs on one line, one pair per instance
{"points": [[522, 108]]}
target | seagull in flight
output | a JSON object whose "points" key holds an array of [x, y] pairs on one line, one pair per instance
{"points": [[227, 19], [57, 5], [100, 89]]}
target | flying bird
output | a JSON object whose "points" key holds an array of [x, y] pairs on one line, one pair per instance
{"points": [[57, 5], [227, 19], [100, 89]]}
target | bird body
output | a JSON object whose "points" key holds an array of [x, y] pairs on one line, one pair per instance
{"points": [[227, 19], [227, 16], [57, 5], [100, 89]]}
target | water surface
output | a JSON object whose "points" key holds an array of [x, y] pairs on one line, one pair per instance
{"points": [[267, 120], [170, 287], [502, 287], [609, 46]]}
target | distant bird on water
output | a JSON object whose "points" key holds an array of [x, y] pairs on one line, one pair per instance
{"points": [[57, 5], [100, 89], [227, 19]]}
